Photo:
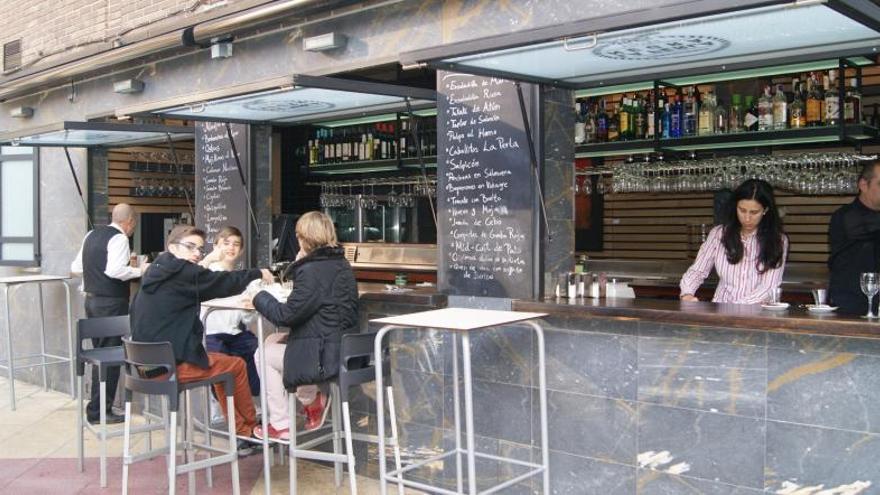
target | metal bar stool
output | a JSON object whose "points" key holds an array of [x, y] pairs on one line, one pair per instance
{"points": [[150, 369], [356, 368], [104, 358]]}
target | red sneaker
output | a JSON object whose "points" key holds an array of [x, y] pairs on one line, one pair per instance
{"points": [[316, 412], [274, 434]]}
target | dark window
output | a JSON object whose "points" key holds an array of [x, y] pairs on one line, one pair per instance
{"points": [[19, 206], [12, 55]]}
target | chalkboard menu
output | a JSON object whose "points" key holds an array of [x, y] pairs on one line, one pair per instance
{"points": [[485, 199], [220, 197]]}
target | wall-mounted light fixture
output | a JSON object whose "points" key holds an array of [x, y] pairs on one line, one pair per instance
{"points": [[21, 112], [221, 48], [324, 42], [128, 86]]}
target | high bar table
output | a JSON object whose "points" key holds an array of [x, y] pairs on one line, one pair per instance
{"points": [[462, 322], [10, 283]]}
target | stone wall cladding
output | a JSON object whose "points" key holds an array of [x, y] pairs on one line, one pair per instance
{"points": [[50, 29]]}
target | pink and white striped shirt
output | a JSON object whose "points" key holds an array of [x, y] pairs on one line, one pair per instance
{"points": [[740, 283]]}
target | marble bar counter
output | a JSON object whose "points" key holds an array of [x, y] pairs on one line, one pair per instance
{"points": [[663, 397], [795, 319]]}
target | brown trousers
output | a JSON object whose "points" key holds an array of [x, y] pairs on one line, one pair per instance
{"points": [[245, 415]]}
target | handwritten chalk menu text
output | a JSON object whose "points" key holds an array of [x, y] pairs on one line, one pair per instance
{"points": [[485, 198], [220, 198]]}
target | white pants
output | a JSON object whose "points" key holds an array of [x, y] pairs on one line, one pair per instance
{"points": [[276, 395]]}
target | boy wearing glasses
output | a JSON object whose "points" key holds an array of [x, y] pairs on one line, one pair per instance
{"points": [[166, 309]]}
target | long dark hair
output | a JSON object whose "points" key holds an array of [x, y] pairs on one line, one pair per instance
{"points": [[770, 235]]}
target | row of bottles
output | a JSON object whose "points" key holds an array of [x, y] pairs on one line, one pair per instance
{"points": [[814, 101], [379, 141]]}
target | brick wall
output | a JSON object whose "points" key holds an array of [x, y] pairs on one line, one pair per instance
{"points": [[51, 29]]}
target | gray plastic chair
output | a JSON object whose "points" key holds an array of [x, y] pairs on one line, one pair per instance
{"points": [[150, 369]]}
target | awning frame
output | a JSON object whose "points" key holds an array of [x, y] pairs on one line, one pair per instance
{"points": [[865, 12], [19, 137], [287, 83]]}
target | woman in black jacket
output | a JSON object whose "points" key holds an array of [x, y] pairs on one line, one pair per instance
{"points": [[321, 307]]}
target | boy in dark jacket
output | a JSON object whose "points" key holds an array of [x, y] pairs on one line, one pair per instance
{"points": [[166, 309]]}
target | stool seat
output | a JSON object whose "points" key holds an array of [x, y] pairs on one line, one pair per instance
{"points": [[102, 356]]}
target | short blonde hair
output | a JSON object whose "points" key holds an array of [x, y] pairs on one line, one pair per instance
{"points": [[315, 230]]}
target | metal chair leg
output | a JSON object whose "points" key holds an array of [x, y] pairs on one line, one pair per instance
{"points": [[291, 407], [189, 448], [335, 411], [43, 338], [80, 425], [103, 405], [147, 414], [349, 449], [230, 424], [172, 454], [209, 473], [126, 446]]}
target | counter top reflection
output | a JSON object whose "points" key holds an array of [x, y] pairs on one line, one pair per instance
{"points": [[796, 319]]}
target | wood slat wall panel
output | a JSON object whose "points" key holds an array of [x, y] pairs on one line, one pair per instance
{"points": [[121, 177], [657, 226]]}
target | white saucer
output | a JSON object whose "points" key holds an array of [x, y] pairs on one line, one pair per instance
{"points": [[775, 306], [820, 308]]}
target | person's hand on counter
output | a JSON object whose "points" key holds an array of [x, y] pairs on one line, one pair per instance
{"points": [[267, 276], [688, 297]]}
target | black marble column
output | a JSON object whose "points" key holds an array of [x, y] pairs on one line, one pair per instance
{"points": [[557, 249], [97, 186], [261, 190]]}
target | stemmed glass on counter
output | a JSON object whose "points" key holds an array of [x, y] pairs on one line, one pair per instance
{"points": [[870, 282]]}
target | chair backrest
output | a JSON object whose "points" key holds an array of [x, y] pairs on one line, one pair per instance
{"points": [[357, 363], [150, 368], [99, 328]]}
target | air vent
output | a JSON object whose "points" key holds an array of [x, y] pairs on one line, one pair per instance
{"points": [[11, 55]]}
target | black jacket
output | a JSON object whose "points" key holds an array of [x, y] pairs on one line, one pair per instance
{"points": [[166, 308], [854, 238], [322, 306]]}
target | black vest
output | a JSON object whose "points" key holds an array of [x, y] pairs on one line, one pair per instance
{"points": [[94, 259]]}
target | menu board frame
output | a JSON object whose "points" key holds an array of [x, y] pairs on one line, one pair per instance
{"points": [[486, 190], [220, 196]]}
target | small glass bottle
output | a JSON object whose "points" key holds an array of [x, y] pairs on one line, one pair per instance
{"points": [[706, 118], [852, 107], [780, 109], [765, 111], [580, 133], [797, 117], [735, 116], [721, 119]]}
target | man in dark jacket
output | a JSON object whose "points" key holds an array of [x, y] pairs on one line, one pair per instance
{"points": [[854, 238], [166, 309], [322, 306]]}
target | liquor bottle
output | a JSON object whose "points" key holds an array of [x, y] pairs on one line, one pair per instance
{"points": [[624, 120], [650, 117], [720, 117], [765, 111], [815, 102], [750, 119], [706, 116], [735, 116], [780, 109], [640, 124], [665, 120], [832, 99], [690, 109], [601, 123], [614, 124], [676, 119], [590, 124], [797, 116], [580, 123], [852, 107]]}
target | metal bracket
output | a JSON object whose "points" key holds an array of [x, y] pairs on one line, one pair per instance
{"points": [[78, 188], [244, 185], [573, 44]]}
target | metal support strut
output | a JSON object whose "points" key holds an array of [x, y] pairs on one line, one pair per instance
{"points": [[247, 193], [532, 157], [179, 176], [413, 129], [78, 188]]}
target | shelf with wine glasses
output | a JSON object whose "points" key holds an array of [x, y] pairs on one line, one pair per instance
{"points": [[365, 167], [847, 134]]}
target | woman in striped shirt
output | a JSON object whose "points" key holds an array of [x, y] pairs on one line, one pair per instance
{"points": [[748, 252]]}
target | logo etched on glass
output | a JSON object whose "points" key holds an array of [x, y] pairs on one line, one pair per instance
{"points": [[661, 47], [264, 105]]}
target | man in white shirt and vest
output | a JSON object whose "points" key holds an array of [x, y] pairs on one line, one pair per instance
{"points": [[103, 261]]}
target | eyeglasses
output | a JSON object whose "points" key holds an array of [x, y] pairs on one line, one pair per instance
{"points": [[192, 247]]}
